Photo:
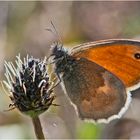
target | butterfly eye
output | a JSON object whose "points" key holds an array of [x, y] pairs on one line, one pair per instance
{"points": [[137, 55]]}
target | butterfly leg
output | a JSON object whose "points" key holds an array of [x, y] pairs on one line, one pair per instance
{"points": [[55, 105], [58, 82]]}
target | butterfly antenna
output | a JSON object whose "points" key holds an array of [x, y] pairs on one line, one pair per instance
{"points": [[55, 32]]}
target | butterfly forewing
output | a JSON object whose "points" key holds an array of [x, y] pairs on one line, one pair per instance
{"points": [[117, 56]]}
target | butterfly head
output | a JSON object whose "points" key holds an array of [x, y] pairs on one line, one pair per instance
{"points": [[58, 51]]}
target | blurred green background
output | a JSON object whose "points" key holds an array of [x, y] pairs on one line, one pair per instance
{"points": [[23, 27]]}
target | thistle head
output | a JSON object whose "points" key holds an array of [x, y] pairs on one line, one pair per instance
{"points": [[29, 85]]}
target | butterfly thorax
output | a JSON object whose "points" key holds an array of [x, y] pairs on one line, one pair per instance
{"points": [[63, 61]]}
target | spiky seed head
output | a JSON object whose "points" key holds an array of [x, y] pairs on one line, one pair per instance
{"points": [[29, 85]]}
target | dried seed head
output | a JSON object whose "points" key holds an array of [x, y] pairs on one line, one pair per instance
{"points": [[29, 85]]}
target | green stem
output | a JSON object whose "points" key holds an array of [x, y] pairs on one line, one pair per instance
{"points": [[38, 128]]}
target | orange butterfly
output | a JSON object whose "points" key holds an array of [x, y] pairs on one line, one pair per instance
{"points": [[98, 76]]}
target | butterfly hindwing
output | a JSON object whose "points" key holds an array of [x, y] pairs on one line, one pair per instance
{"points": [[95, 92]]}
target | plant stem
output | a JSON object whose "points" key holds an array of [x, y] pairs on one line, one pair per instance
{"points": [[38, 128]]}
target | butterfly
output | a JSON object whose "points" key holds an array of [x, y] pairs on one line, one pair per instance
{"points": [[98, 76]]}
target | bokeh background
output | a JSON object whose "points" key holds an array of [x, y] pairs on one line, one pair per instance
{"points": [[23, 30]]}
